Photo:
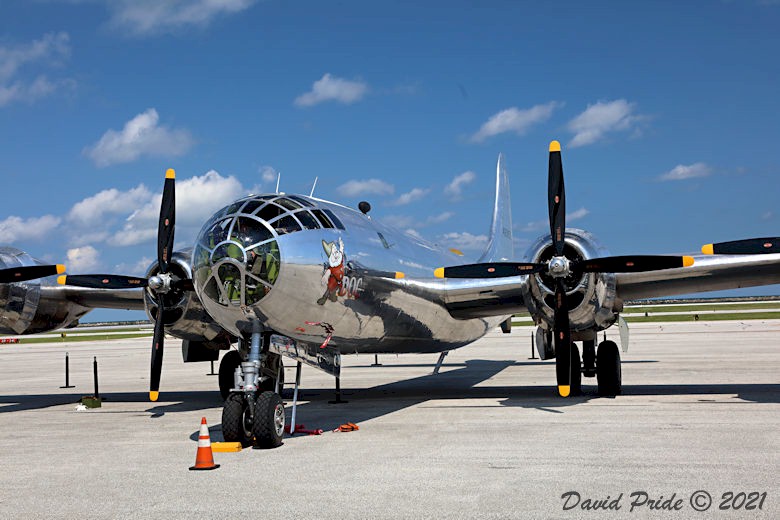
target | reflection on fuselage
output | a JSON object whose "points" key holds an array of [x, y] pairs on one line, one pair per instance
{"points": [[291, 261]]}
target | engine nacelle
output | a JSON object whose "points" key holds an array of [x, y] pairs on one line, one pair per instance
{"points": [[591, 296], [184, 315], [24, 307]]}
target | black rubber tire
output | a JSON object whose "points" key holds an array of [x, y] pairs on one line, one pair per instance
{"points": [[608, 371], [235, 420], [576, 371], [227, 368], [266, 428], [506, 325]]}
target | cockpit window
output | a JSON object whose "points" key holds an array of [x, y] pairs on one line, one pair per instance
{"points": [[264, 261], [270, 212], [324, 220], [287, 203], [285, 225], [248, 231], [306, 218], [218, 232], [334, 219], [302, 201], [252, 205]]}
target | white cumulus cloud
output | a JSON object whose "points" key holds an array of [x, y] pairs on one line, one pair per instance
{"points": [[141, 136], [514, 120], [331, 88], [82, 259], [411, 196], [51, 49], [92, 210], [144, 17], [682, 171], [356, 188], [602, 118], [14, 229], [197, 198], [455, 188], [465, 241]]}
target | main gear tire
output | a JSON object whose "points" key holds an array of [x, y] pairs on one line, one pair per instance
{"points": [[608, 371], [269, 418], [236, 419]]}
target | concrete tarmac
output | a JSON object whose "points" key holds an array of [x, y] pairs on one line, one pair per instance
{"points": [[485, 438]]}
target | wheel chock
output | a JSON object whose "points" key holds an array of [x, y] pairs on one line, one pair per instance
{"points": [[226, 447]]}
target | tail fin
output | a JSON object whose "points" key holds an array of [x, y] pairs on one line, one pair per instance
{"points": [[500, 247]]}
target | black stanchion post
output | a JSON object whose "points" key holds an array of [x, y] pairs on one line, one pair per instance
{"points": [[338, 393], [95, 373], [67, 373], [376, 362], [533, 347], [212, 373]]}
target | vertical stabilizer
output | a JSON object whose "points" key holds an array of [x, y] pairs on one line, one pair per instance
{"points": [[500, 247]]}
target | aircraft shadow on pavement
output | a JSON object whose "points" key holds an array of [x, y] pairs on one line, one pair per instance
{"points": [[369, 403]]}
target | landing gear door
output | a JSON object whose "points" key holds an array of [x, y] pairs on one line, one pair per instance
{"points": [[327, 359]]}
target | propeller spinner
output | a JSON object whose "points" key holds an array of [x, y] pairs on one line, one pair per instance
{"points": [[559, 267]]}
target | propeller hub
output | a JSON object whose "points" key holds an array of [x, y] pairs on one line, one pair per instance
{"points": [[559, 267], [161, 283]]}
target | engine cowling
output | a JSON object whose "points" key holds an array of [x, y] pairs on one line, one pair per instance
{"points": [[591, 296], [184, 316], [25, 307]]}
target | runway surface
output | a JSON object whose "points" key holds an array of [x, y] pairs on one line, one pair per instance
{"points": [[485, 438]]}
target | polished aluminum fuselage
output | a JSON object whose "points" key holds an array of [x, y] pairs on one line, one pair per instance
{"points": [[372, 311]]}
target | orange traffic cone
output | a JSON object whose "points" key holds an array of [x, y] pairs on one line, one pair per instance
{"points": [[204, 459]]}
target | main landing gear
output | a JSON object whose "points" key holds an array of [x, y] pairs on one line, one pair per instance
{"points": [[603, 364], [254, 411]]}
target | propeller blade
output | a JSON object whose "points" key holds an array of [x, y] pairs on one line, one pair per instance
{"points": [[750, 246], [489, 270], [103, 281], [632, 263], [562, 335], [556, 198], [158, 342], [30, 272], [165, 230]]}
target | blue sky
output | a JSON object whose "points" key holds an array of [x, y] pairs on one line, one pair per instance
{"points": [[667, 113]]}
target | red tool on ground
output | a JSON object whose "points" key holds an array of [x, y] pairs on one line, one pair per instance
{"points": [[301, 428]]}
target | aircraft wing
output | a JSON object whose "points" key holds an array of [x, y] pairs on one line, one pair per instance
{"points": [[708, 273], [126, 299], [472, 298]]}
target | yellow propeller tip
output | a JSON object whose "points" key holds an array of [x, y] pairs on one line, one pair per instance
{"points": [[60, 268], [61, 279], [456, 251], [564, 390], [399, 275], [153, 396], [170, 173], [555, 146], [708, 249], [439, 272], [687, 261]]}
